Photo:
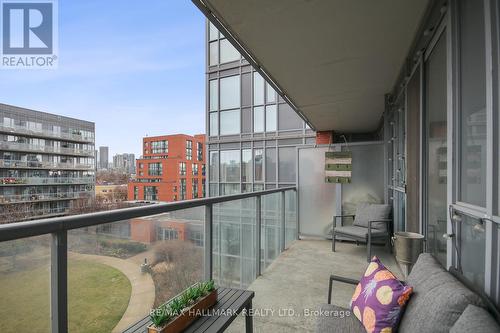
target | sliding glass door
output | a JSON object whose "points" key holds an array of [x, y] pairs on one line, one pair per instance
{"points": [[436, 148]]}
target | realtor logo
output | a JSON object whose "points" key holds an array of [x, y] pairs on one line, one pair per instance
{"points": [[29, 33]]}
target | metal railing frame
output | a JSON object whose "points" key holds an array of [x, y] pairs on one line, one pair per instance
{"points": [[58, 227]]}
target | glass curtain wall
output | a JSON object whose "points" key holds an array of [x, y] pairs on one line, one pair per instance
{"points": [[253, 135]]}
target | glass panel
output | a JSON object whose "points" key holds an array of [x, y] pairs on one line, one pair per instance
{"points": [[213, 190], [436, 114], [246, 120], [270, 118], [246, 89], [258, 159], [234, 234], [214, 95], [230, 122], [270, 164], [246, 165], [287, 162], [104, 259], [270, 239], [213, 54], [213, 32], [473, 248], [229, 189], [227, 52], [258, 119], [230, 166], [258, 89], [270, 94], [290, 217], [214, 166], [368, 183], [25, 285], [214, 128], [230, 92], [399, 211], [413, 155], [288, 119], [473, 104]]}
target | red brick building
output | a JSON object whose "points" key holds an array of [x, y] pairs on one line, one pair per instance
{"points": [[172, 168]]}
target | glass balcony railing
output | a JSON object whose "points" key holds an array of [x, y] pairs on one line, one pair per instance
{"points": [[44, 165], [75, 136], [45, 180], [163, 248], [20, 214], [35, 197], [44, 149]]}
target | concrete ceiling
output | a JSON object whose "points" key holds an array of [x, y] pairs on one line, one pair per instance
{"points": [[334, 59]]}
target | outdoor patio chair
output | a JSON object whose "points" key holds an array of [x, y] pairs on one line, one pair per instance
{"points": [[371, 222]]}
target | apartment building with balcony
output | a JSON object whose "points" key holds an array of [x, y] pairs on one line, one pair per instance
{"points": [[46, 162], [171, 168]]}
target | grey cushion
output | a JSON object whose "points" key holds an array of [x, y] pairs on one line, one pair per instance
{"points": [[438, 298], [361, 232], [475, 319], [366, 212], [332, 318]]}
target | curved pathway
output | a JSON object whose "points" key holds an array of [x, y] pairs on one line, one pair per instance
{"points": [[143, 289]]}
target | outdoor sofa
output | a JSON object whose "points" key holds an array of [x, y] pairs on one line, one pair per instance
{"points": [[441, 302]]}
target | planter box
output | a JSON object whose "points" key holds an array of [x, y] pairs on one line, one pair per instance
{"points": [[182, 321]]}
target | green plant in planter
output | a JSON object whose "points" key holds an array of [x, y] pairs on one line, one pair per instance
{"points": [[161, 315], [176, 306], [166, 312]]}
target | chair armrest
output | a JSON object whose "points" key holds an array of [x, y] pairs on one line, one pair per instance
{"points": [[339, 279], [341, 219]]}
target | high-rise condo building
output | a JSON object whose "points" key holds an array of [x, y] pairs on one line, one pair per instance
{"points": [[124, 162], [252, 132], [46, 163], [103, 157]]}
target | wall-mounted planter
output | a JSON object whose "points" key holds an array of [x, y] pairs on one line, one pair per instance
{"points": [[188, 315]]}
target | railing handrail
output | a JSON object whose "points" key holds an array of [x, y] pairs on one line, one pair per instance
{"points": [[39, 227]]}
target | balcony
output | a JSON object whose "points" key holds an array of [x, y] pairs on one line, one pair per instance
{"points": [[18, 164], [297, 280], [75, 136], [232, 239], [41, 197], [27, 181], [25, 147]]}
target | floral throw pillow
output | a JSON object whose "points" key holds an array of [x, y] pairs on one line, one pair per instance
{"points": [[379, 299]]}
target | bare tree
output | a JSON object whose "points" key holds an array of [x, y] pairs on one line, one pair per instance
{"points": [[16, 213], [178, 265]]}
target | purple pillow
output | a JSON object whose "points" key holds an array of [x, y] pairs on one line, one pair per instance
{"points": [[379, 299]]}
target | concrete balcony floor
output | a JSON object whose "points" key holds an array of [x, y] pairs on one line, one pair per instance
{"points": [[298, 280]]}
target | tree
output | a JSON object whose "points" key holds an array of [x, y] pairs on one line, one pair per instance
{"points": [[16, 213], [178, 265]]}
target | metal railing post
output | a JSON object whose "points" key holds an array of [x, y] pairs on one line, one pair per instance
{"points": [[258, 217], [282, 216], [59, 282], [208, 242]]}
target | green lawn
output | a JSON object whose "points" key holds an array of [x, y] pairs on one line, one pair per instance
{"points": [[98, 297]]}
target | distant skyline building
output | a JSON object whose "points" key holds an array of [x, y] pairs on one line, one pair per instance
{"points": [[124, 162], [172, 168], [103, 157], [46, 163]]}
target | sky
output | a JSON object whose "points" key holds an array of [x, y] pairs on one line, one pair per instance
{"points": [[134, 68]]}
